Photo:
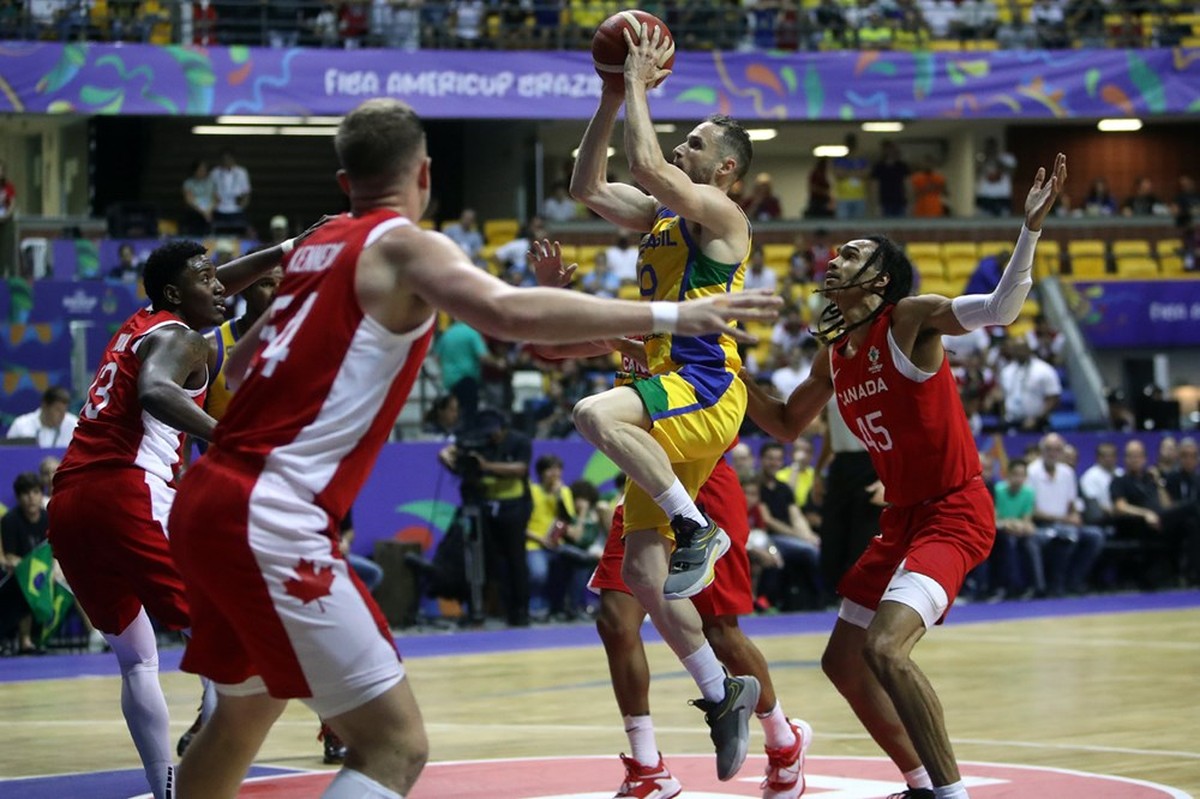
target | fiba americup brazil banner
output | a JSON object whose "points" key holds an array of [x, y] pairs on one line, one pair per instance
{"points": [[1136, 313], [97, 78]]}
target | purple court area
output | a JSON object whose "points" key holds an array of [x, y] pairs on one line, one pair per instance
{"points": [[470, 642], [115, 784]]}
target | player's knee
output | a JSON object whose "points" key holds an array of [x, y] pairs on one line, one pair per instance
{"points": [[640, 579], [614, 630], [400, 752], [884, 654], [586, 416]]}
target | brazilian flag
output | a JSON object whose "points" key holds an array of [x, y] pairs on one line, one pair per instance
{"points": [[48, 600]]}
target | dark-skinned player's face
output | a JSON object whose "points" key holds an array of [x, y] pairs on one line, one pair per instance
{"points": [[201, 294], [262, 292]]}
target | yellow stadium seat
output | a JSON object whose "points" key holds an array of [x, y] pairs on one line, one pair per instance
{"points": [[930, 267], [944, 45], [629, 291], [586, 254], [987, 248], [1088, 266], [959, 249], [1092, 247], [570, 256], [1137, 266], [1126, 247], [936, 286], [918, 250], [498, 231], [960, 268], [168, 227], [427, 224], [775, 254], [1019, 328], [1171, 265], [1030, 309], [1167, 247]]}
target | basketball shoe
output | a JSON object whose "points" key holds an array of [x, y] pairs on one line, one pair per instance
{"points": [[729, 723], [785, 765], [335, 750], [647, 782], [913, 793], [697, 550]]}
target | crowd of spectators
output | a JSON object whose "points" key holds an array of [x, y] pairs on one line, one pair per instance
{"points": [[787, 25]]}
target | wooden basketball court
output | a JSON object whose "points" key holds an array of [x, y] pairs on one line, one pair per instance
{"points": [[1105, 685]]}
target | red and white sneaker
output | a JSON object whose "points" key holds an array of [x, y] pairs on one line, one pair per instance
{"points": [[647, 782], [785, 766]]}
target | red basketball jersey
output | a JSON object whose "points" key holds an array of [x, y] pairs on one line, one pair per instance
{"points": [[114, 430], [327, 382], [911, 422]]}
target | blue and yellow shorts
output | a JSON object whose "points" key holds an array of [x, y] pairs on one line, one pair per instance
{"points": [[696, 413]]}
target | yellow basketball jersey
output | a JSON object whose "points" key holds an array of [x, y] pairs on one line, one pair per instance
{"points": [[218, 391], [672, 267]]}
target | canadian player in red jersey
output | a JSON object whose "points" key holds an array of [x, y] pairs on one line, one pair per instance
{"points": [[111, 495], [276, 612], [730, 595], [885, 364]]}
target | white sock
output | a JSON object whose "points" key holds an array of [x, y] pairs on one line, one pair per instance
{"points": [[955, 790], [642, 746], [350, 784], [918, 778], [676, 502], [706, 670], [142, 700], [776, 728]]}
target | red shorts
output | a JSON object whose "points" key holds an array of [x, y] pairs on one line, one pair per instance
{"points": [[722, 498], [942, 538], [108, 529], [271, 596]]}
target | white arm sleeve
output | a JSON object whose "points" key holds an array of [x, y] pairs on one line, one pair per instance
{"points": [[1003, 305]]}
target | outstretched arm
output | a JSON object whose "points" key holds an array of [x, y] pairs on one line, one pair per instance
{"points": [[240, 273], [784, 420], [619, 203], [1002, 306]]}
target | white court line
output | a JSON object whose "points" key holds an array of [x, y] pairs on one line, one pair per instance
{"points": [[568, 728], [1106, 643]]}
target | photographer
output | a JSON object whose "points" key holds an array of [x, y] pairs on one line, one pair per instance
{"points": [[493, 464]]}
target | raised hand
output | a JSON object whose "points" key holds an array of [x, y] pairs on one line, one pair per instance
{"points": [[713, 314], [1044, 192], [645, 58], [545, 257]]}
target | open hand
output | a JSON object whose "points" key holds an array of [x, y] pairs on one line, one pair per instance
{"points": [[709, 315], [645, 58], [1044, 192], [545, 257]]}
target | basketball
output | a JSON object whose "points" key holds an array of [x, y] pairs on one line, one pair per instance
{"points": [[608, 44]]}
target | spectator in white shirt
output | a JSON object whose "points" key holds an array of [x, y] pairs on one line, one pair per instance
{"points": [[959, 349], [758, 276], [1031, 388], [940, 15], [1070, 547], [559, 207], [788, 334], [795, 371], [50, 425], [1046, 341], [1095, 482], [232, 183], [623, 257]]}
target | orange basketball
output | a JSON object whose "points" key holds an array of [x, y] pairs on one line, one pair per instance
{"points": [[608, 44]]}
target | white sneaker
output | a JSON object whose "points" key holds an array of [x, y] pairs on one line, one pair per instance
{"points": [[785, 766]]}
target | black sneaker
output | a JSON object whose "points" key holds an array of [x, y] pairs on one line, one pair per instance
{"points": [[913, 793], [335, 750], [185, 740], [697, 550], [729, 723]]}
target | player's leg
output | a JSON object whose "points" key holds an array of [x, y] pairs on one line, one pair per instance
{"points": [[787, 740], [386, 746], [220, 754], [846, 667], [890, 638], [619, 624]]}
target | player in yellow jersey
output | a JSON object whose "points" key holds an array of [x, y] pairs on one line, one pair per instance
{"points": [[667, 431], [258, 299]]}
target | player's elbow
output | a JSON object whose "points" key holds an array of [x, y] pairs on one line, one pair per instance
{"points": [[582, 189], [647, 171]]}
